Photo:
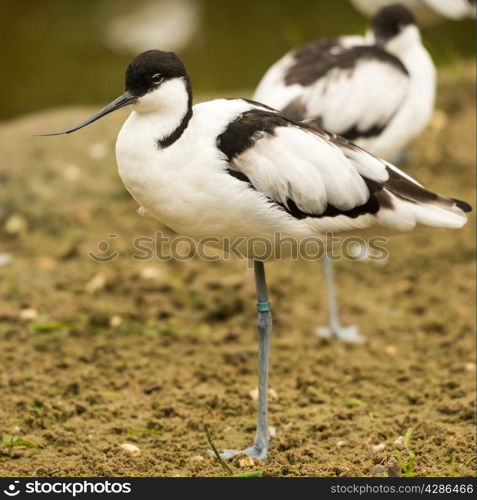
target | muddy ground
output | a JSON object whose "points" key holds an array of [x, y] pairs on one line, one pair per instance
{"points": [[96, 355]]}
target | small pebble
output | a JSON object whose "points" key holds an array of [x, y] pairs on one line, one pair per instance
{"points": [[150, 273], [272, 431], [393, 468], [272, 394], [339, 444], [197, 458], [378, 471], [5, 259], [470, 367], [96, 283], [130, 448], [45, 262], [246, 462], [439, 119], [254, 394], [378, 447], [399, 443], [71, 172], [16, 224], [28, 314], [115, 321], [390, 349]]}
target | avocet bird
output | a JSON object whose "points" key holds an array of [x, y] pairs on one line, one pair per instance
{"points": [[427, 11], [232, 168], [377, 91]]}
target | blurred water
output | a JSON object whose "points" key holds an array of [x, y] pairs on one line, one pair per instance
{"points": [[58, 52]]}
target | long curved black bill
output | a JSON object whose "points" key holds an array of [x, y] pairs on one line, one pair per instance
{"points": [[120, 102]]}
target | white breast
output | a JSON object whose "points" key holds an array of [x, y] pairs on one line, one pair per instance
{"points": [[184, 185]]}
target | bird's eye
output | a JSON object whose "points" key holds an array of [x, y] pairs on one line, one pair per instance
{"points": [[157, 78]]}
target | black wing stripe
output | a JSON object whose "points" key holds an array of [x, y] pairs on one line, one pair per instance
{"points": [[378, 199], [315, 60], [246, 129]]}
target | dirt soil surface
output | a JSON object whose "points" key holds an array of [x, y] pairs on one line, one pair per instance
{"points": [[97, 355]]}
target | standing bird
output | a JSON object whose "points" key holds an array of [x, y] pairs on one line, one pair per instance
{"points": [[232, 169], [377, 91]]}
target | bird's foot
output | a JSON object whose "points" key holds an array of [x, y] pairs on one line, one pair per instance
{"points": [[258, 452], [345, 333]]}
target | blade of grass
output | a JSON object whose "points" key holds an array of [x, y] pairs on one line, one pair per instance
{"points": [[8, 440], [254, 473], [471, 459], [407, 438], [48, 327], [350, 403], [379, 427], [226, 468], [453, 466]]}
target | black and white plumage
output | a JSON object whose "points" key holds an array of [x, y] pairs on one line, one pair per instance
{"points": [[278, 158], [426, 11], [232, 168], [378, 91]]}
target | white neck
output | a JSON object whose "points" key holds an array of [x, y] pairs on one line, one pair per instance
{"points": [[405, 42], [165, 107]]}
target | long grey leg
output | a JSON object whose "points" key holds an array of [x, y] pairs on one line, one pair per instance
{"points": [[331, 294], [335, 330], [264, 329]]}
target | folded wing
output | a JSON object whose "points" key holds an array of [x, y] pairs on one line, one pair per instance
{"points": [[341, 86], [325, 179]]}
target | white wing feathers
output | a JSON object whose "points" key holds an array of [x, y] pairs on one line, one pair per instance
{"points": [[357, 98], [299, 165], [346, 87]]}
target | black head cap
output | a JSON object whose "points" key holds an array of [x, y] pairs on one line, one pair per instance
{"points": [[151, 68], [390, 20]]}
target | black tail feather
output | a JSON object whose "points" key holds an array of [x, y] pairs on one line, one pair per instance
{"points": [[465, 207]]}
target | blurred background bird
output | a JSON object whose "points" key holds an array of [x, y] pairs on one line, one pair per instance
{"points": [[376, 90]]}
